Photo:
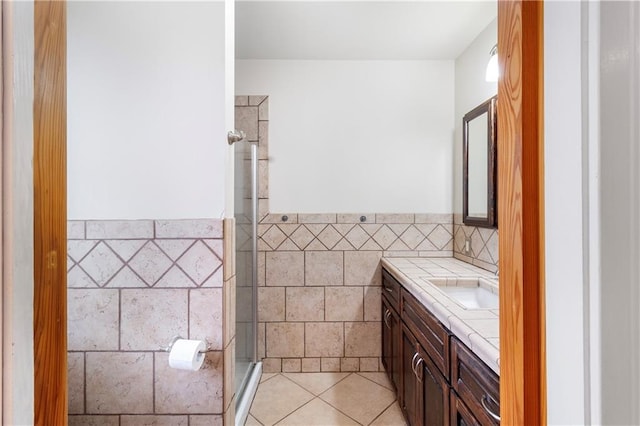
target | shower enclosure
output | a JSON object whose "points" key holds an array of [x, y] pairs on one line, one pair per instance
{"points": [[247, 367]]}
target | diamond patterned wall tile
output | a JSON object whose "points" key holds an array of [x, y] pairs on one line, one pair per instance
{"points": [[315, 245], [485, 256], [174, 248], [398, 228], [215, 280], [288, 228], [288, 245], [370, 245], [412, 237], [101, 264], [492, 246], [175, 277], [302, 237], [199, 262], [343, 228], [126, 278], [77, 278], [357, 236], [426, 245], [370, 228], [425, 228], [150, 263], [343, 244], [315, 228], [440, 237], [70, 263], [274, 237], [476, 243], [329, 237], [77, 249], [385, 237], [398, 245], [125, 248]]}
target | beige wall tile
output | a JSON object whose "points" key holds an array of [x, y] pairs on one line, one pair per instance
{"points": [[344, 303], [154, 421], [263, 137], [229, 258], [317, 218], [94, 420], [271, 303], [182, 391], [205, 316], [152, 317], [263, 110], [362, 339], [229, 373], [189, 228], [362, 268], [246, 119], [75, 230], [323, 268], [356, 218], [291, 365], [394, 218], [271, 365], [242, 101], [324, 339], [262, 268], [310, 365], [229, 313], [285, 340], [372, 303], [262, 351], [369, 364], [119, 229], [350, 364], [305, 304], [119, 382], [215, 420], [75, 382], [285, 268], [92, 318], [330, 364]]}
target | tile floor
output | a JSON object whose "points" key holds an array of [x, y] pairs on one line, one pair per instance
{"points": [[325, 399]]}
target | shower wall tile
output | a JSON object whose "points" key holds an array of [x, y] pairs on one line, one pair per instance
{"points": [[206, 421], [305, 304], [133, 286]]}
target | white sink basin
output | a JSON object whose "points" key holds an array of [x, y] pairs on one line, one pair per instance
{"points": [[470, 293]]}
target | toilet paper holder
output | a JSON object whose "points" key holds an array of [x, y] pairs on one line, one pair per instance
{"points": [[176, 338]]}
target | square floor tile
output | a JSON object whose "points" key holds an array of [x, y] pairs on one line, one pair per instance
{"points": [[276, 398], [359, 398], [391, 417], [316, 383], [317, 413]]}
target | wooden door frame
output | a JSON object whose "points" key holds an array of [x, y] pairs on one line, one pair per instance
{"points": [[521, 212], [520, 206], [50, 213]]}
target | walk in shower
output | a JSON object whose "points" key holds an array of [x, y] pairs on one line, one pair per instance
{"points": [[247, 367]]}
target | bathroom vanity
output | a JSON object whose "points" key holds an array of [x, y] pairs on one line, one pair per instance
{"points": [[440, 340]]}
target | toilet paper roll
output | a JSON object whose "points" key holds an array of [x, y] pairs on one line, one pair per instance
{"points": [[186, 354]]}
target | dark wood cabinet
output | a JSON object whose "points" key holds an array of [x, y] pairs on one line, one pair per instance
{"points": [[426, 390], [439, 381], [475, 383], [391, 342]]}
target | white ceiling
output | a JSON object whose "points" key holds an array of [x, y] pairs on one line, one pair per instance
{"points": [[359, 30]]}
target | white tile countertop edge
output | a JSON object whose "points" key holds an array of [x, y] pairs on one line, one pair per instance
{"points": [[476, 328]]}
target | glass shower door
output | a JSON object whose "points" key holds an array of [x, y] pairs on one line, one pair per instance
{"points": [[246, 262]]}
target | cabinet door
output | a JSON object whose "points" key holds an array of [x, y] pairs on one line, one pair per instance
{"points": [[434, 392], [391, 343], [460, 414], [410, 384]]}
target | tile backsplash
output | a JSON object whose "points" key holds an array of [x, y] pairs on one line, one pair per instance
{"points": [[483, 248], [132, 286]]}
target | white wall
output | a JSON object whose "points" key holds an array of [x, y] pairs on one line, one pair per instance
{"points": [[565, 189], [146, 131], [17, 199], [356, 136], [471, 89]]}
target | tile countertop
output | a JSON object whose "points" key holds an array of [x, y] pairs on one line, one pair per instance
{"points": [[476, 328]]}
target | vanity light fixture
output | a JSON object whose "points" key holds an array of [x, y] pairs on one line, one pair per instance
{"points": [[492, 67]]}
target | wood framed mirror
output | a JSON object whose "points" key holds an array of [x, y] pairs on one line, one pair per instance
{"points": [[479, 165]]}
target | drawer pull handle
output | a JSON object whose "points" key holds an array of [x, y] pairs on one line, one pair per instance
{"points": [[485, 399], [387, 314], [413, 362], [390, 290], [420, 360]]}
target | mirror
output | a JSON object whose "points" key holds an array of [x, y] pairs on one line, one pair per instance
{"points": [[479, 165]]}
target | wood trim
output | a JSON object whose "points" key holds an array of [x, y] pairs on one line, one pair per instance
{"points": [[50, 222], [521, 213]]}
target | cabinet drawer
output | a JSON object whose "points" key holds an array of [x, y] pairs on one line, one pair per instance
{"points": [[476, 384], [391, 289], [431, 334]]}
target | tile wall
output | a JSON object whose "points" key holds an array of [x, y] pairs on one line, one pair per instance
{"points": [[484, 244], [132, 286], [319, 275]]}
